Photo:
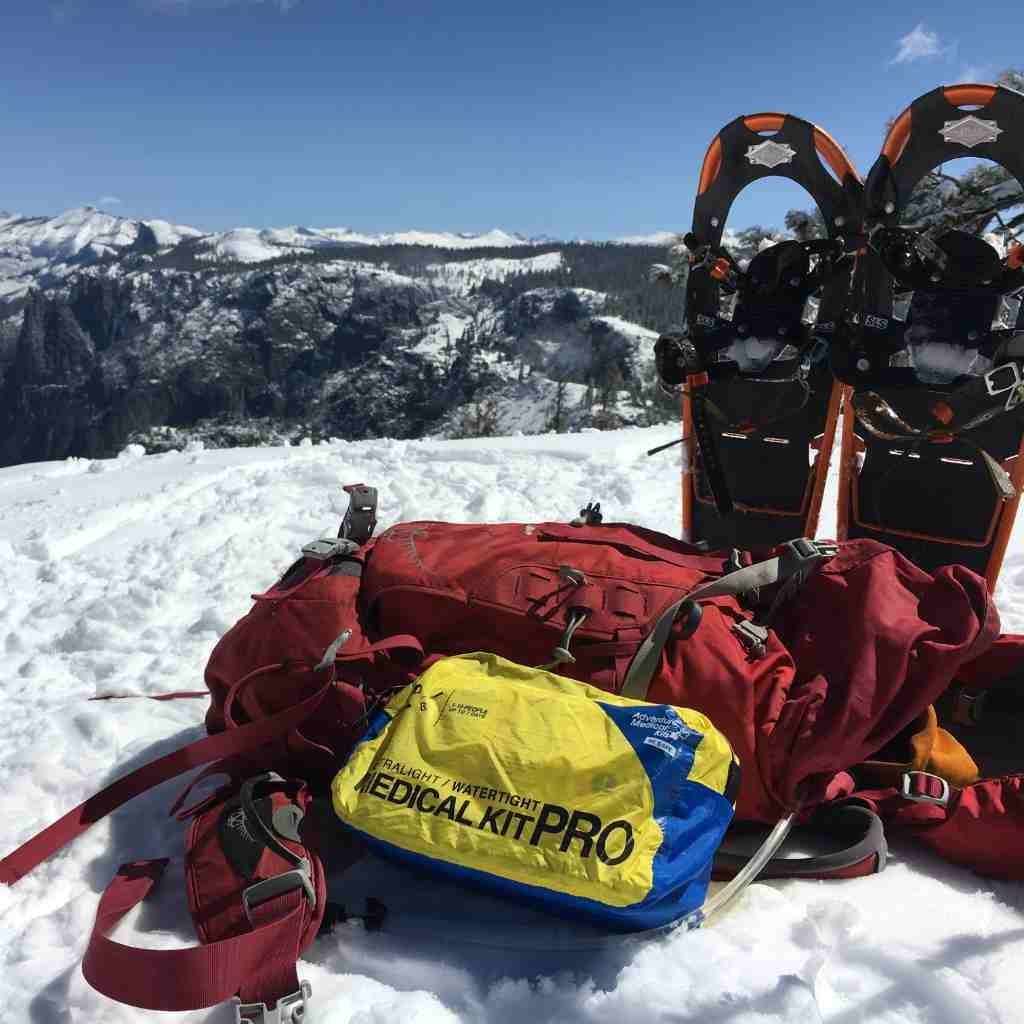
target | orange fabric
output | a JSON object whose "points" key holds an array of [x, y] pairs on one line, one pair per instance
{"points": [[931, 749]]}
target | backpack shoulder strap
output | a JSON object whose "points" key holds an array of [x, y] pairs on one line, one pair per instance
{"points": [[258, 966], [795, 561]]}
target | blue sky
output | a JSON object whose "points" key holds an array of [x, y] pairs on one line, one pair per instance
{"points": [[568, 119]]}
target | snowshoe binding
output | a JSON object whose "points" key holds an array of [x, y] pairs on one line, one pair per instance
{"points": [[759, 404], [933, 348]]}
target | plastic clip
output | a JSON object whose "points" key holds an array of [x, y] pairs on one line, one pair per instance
{"points": [[290, 1009], [753, 637], [323, 548], [278, 885]]}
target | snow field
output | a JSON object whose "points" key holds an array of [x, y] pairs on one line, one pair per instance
{"points": [[118, 576]]}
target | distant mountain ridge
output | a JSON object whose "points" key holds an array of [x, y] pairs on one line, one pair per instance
{"points": [[44, 250]]}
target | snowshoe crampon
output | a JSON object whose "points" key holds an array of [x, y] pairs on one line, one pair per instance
{"points": [[759, 403], [933, 349]]}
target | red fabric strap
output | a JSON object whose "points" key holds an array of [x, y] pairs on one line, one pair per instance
{"points": [[397, 642], [210, 748], [174, 695], [260, 965], [982, 827]]}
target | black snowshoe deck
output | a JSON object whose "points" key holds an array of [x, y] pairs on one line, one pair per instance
{"points": [[935, 503], [776, 475]]}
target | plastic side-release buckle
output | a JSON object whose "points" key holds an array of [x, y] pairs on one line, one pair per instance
{"points": [[925, 788], [278, 885], [801, 555], [323, 548], [754, 637], [290, 1009]]}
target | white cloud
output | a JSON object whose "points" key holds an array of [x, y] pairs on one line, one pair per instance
{"points": [[975, 73], [187, 6], [920, 44], [108, 201]]}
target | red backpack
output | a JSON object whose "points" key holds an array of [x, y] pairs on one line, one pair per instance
{"points": [[811, 658]]}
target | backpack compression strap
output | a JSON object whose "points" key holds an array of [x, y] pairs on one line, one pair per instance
{"points": [[796, 560], [980, 826]]}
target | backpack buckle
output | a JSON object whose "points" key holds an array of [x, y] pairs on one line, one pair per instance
{"points": [[278, 885], [806, 549], [925, 788], [288, 1009], [324, 548], [754, 637], [801, 555]]}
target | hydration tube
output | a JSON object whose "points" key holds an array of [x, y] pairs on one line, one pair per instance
{"points": [[721, 899], [503, 935]]}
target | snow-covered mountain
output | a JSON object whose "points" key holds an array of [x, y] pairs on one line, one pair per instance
{"points": [[45, 250], [153, 333], [41, 250]]}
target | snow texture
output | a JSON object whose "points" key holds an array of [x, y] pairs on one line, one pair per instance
{"points": [[118, 576]]}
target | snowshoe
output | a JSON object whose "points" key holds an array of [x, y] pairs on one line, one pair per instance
{"points": [[759, 404], [933, 348]]}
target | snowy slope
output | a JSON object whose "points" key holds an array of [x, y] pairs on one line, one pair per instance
{"points": [[466, 275], [118, 576]]}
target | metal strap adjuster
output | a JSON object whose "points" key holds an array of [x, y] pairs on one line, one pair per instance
{"points": [[925, 788], [1002, 379], [290, 1009]]}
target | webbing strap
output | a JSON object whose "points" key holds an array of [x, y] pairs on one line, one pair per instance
{"points": [[260, 963], [797, 557], [857, 826], [210, 748], [708, 444]]}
